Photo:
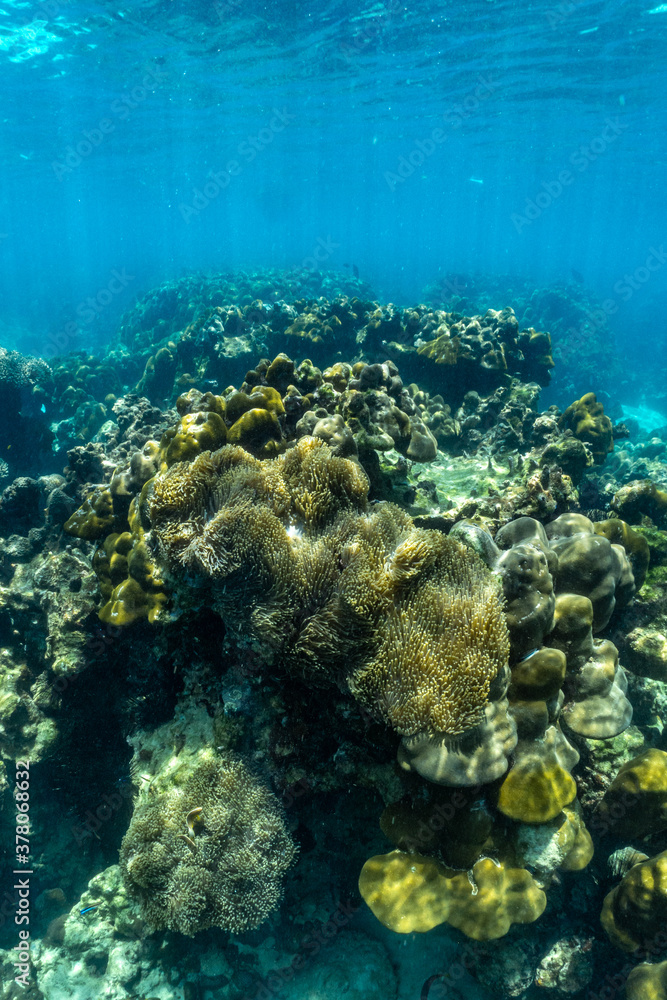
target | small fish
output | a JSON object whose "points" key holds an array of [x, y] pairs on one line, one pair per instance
{"points": [[475, 180], [577, 275], [355, 269], [87, 909]]}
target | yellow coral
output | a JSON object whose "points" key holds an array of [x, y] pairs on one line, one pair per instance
{"points": [[94, 518], [539, 784], [635, 804], [443, 349], [406, 892], [636, 909], [501, 896], [582, 849], [258, 431], [129, 578], [409, 892], [196, 432], [587, 420], [647, 982]]}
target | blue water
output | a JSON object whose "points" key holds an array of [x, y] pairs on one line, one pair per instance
{"points": [[116, 116], [403, 142]]}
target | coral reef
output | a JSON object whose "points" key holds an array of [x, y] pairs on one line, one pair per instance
{"points": [[491, 343], [170, 307], [635, 910], [583, 344], [374, 581], [635, 804], [26, 386]]}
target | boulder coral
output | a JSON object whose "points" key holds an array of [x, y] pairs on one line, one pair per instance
{"points": [[589, 423], [635, 911], [635, 804], [647, 982], [410, 892]]}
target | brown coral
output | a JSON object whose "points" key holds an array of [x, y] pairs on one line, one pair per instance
{"points": [[444, 641], [411, 620]]}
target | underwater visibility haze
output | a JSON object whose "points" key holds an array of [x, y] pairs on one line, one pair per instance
{"points": [[333, 500]]}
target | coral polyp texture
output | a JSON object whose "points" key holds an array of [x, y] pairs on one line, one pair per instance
{"points": [[207, 846], [315, 551], [296, 558]]}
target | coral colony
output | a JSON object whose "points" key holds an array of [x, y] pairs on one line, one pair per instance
{"points": [[305, 551]]}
